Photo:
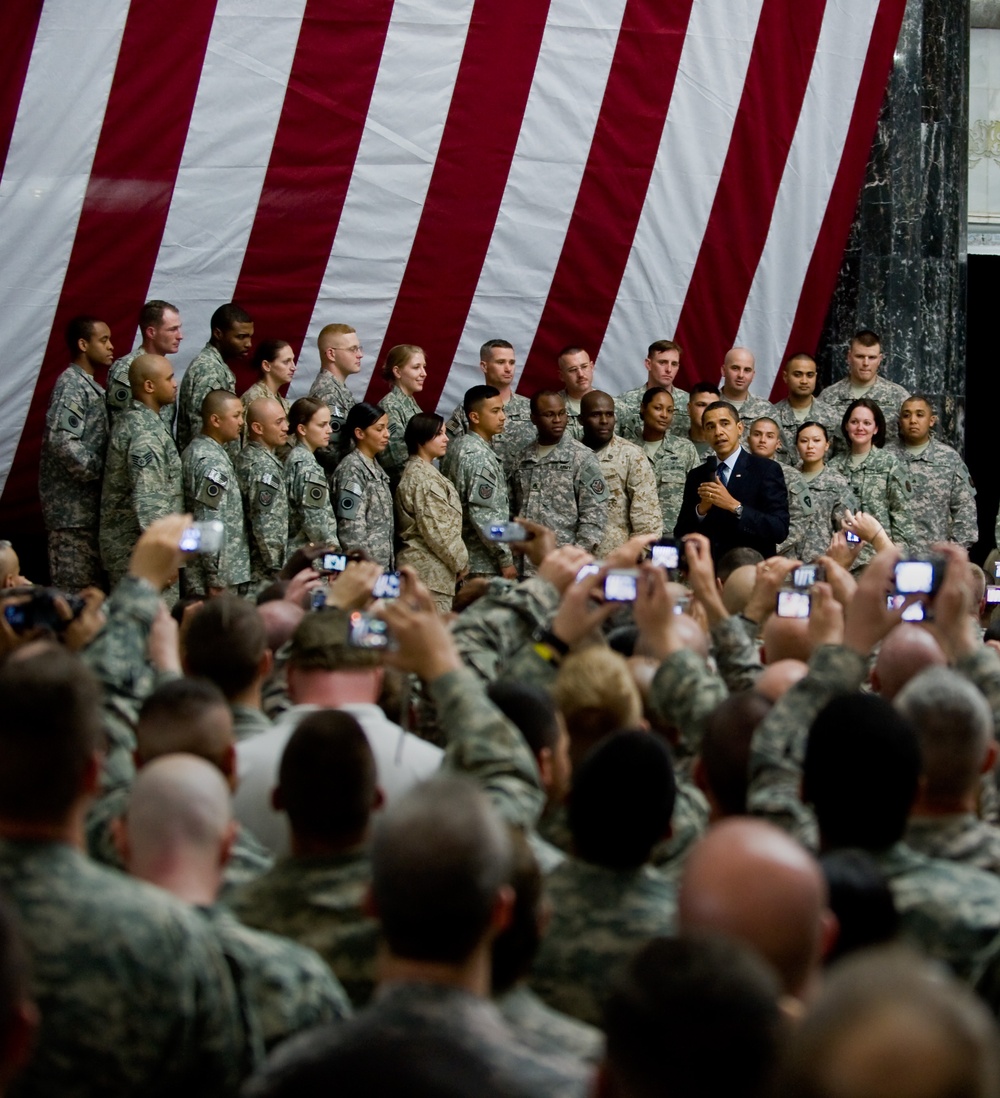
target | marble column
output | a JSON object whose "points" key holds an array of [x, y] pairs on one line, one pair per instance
{"points": [[904, 267]]}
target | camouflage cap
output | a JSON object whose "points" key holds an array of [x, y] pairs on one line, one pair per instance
{"points": [[320, 644]]}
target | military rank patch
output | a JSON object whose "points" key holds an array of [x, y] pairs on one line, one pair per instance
{"points": [[140, 461]]}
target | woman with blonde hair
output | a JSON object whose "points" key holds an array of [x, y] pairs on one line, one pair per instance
{"points": [[406, 368]]}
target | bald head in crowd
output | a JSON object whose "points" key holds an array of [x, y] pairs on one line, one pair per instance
{"points": [[147, 368], [904, 653], [738, 586], [891, 1024], [748, 880], [785, 639], [779, 676]]}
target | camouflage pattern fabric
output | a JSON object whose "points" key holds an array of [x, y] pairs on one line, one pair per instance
{"points": [[119, 392], [961, 837], [883, 488], [481, 487], [400, 409], [944, 499], [310, 516], [628, 414], [207, 371], [840, 396], [830, 495], [340, 400], [673, 459], [539, 1027], [261, 478], [517, 435], [429, 523], [633, 505], [789, 423], [363, 506]]}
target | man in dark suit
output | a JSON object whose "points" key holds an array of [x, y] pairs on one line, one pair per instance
{"points": [[733, 498]]}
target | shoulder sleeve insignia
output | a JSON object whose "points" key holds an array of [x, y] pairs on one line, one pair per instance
{"points": [[265, 497], [349, 501], [71, 420], [316, 493], [119, 395], [599, 488]]}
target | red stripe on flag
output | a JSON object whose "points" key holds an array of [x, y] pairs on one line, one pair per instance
{"points": [[322, 122], [828, 253], [126, 204], [614, 185], [18, 27], [466, 187], [776, 81]]}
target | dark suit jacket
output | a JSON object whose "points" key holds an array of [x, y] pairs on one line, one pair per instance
{"points": [[759, 485]]}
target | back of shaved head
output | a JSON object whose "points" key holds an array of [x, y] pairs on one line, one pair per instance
{"points": [[738, 586], [263, 410], [905, 652], [748, 880], [186, 715], [147, 368], [216, 403]]}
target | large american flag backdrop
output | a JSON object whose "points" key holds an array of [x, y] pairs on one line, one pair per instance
{"points": [[441, 172]]}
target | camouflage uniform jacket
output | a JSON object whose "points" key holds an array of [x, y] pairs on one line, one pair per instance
{"points": [[142, 482], [517, 435], [119, 392], [363, 505], [944, 499], [574, 428], [839, 397], [961, 837], [206, 371], [633, 504], [789, 423], [628, 413], [248, 721], [750, 408], [310, 517], [284, 988], [429, 521], [799, 508], [265, 502], [479, 480], [319, 902], [563, 490], [600, 917], [539, 1027], [883, 489], [683, 693], [400, 409], [73, 451], [212, 492], [830, 495], [448, 1017], [951, 911], [134, 993], [675, 457], [340, 400]]}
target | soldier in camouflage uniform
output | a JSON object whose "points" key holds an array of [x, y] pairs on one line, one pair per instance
{"points": [[633, 504], [765, 438], [738, 370], [577, 372], [670, 456], [310, 516], [274, 361], [406, 370], [878, 478], [478, 477], [212, 492], [864, 356], [362, 497], [340, 356], [429, 513], [498, 363], [558, 481], [702, 394], [135, 994], [174, 835], [71, 466], [800, 406], [232, 334], [663, 361], [944, 499], [142, 475], [160, 326], [261, 478], [830, 494]]}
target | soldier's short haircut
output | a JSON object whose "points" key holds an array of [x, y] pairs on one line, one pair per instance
{"points": [[921, 396], [736, 558], [666, 1011], [536, 397], [570, 349], [716, 405], [50, 729], [703, 387], [658, 346], [860, 773], [491, 345], [152, 312], [867, 338], [440, 854], [799, 355], [79, 327], [227, 316], [515, 947], [329, 331], [225, 643], [878, 440], [725, 748], [327, 776], [880, 1007], [215, 404], [623, 798], [420, 429], [765, 419], [531, 709], [476, 395], [954, 728], [186, 715]]}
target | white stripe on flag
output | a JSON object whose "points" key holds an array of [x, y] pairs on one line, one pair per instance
{"points": [[392, 171], [808, 179], [696, 135], [226, 154], [556, 134], [44, 183]]}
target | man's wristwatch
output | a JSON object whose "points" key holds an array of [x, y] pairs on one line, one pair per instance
{"points": [[738, 510]]}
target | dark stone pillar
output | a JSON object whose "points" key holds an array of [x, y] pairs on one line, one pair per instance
{"points": [[904, 268]]}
